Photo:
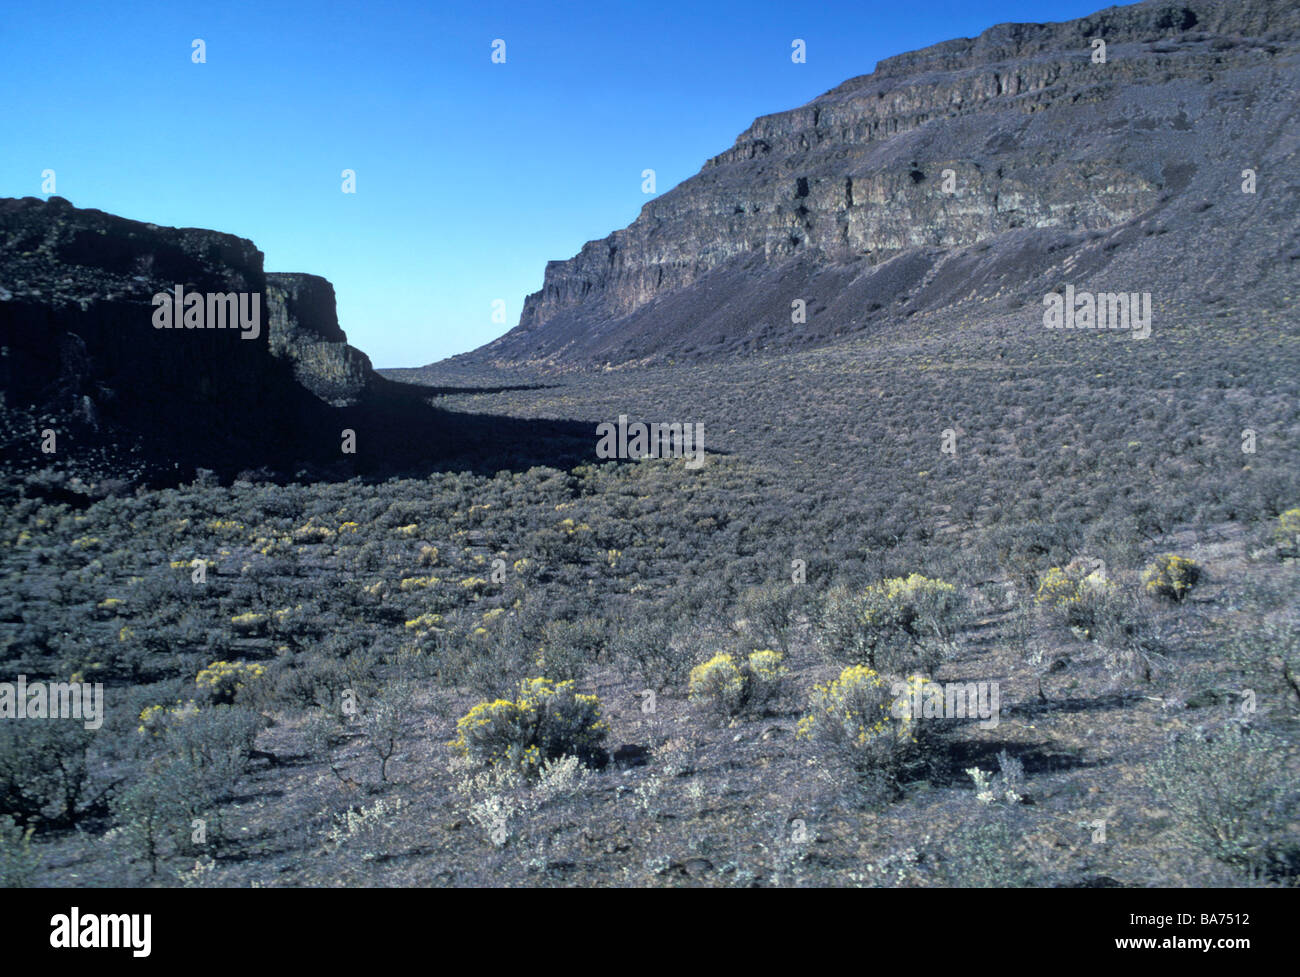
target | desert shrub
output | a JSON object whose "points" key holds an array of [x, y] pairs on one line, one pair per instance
{"points": [[18, 860], [217, 744], [491, 658], [1131, 635], [900, 624], [1286, 533], [222, 681], [1233, 795], [1077, 593], [363, 822], [43, 771], [156, 719], [1171, 576], [152, 814], [312, 680], [647, 646], [853, 718], [249, 623], [1271, 651], [1006, 787], [987, 855], [1024, 636], [547, 721], [569, 648], [734, 687], [560, 778], [770, 611]]}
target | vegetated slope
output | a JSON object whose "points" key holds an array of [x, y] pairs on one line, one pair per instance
{"points": [[977, 174], [625, 576]]}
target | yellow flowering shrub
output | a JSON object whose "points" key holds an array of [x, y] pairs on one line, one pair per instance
{"points": [[285, 619], [250, 622], [734, 687], [855, 717], [109, 606], [313, 532], [899, 624], [718, 680], [1286, 533], [154, 720], [416, 583], [1078, 592], [548, 720], [424, 622], [223, 680], [1171, 576]]}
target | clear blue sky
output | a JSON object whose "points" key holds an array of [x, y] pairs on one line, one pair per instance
{"points": [[470, 175]]}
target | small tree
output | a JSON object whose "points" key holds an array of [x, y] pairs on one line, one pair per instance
{"points": [[384, 721], [149, 811]]}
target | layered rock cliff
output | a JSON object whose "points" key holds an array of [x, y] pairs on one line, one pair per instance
{"points": [[966, 172], [304, 328]]}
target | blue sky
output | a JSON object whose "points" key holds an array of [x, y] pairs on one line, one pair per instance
{"points": [[470, 175]]}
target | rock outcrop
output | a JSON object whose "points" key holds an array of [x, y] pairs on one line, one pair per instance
{"points": [[966, 172], [82, 358], [304, 329], [95, 396]]}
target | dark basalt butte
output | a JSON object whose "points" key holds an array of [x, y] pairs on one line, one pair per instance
{"points": [[127, 402]]}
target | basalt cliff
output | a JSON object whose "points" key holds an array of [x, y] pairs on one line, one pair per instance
{"points": [[96, 395], [976, 174]]}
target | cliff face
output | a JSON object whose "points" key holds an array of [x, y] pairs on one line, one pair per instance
{"points": [[954, 174], [80, 354], [304, 329]]}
